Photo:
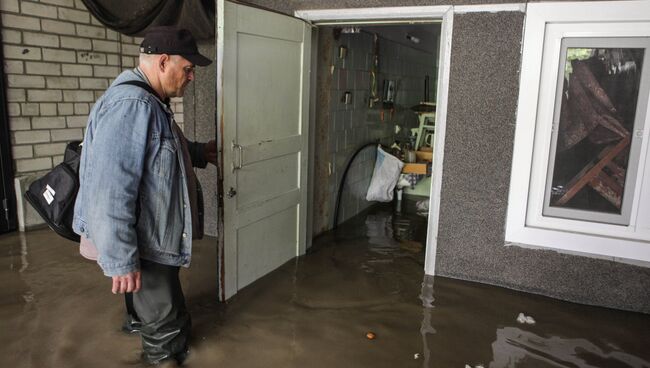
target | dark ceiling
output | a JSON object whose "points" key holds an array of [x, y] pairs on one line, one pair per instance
{"points": [[133, 17]]}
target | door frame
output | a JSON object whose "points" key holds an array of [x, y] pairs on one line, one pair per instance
{"points": [[410, 14], [390, 15]]}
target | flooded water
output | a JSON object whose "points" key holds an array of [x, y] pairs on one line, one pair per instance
{"points": [[56, 310]]}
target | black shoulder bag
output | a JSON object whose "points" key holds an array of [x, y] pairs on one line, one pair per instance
{"points": [[53, 195]]}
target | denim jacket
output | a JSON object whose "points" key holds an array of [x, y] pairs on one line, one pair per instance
{"points": [[133, 199]]}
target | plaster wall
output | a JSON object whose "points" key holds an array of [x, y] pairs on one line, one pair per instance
{"points": [[198, 112], [478, 156]]}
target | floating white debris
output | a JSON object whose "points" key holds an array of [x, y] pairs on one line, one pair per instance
{"points": [[416, 356], [468, 366], [530, 320], [523, 319]]}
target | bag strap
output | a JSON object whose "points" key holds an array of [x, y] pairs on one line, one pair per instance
{"points": [[147, 88]]}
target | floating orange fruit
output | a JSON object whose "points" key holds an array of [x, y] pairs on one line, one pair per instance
{"points": [[371, 335]]}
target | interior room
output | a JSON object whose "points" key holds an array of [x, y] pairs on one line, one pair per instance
{"points": [[376, 84]]}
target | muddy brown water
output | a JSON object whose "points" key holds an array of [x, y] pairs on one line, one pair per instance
{"points": [[56, 310]]}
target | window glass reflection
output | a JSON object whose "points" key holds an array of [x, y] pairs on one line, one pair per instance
{"points": [[597, 114]]}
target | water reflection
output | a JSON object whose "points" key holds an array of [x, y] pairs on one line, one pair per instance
{"points": [[23, 252], [465, 321], [379, 230], [426, 329], [313, 312], [387, 232], [515, 347]]}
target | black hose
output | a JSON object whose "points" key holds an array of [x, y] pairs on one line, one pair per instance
{"points": [[345, 173]]}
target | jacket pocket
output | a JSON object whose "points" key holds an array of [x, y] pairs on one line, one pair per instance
{"points": [[163, 194], [166, 160], [172, 212]]}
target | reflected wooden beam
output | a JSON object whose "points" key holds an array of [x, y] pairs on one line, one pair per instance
{"points": [[591, 170]]}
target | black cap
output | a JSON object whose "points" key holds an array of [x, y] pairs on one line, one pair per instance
{"points": [[173, 41]]}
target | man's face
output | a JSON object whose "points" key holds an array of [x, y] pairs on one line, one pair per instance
{"points": [[178, 73]]}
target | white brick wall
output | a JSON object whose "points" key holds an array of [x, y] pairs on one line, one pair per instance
{"points": [[58, 61]]}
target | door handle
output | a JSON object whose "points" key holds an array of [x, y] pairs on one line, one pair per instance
{"points": [[240, 158], [231, 193]]}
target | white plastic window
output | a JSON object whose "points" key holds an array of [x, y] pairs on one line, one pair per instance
{"points": [[581, 174], [599, 105]]}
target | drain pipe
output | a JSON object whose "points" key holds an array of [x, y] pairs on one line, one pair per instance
{"points": [[345, 173]]}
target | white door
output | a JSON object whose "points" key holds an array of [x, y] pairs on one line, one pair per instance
{"points": [[263, 103]]}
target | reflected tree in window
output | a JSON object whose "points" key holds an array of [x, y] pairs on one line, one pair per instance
{"points": [[597, 112]]}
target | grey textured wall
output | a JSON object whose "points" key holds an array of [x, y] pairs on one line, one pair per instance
{"points": [[478, 155], [199, 105]]}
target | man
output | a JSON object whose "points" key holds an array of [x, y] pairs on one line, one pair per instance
{"points": [[139, 201]]}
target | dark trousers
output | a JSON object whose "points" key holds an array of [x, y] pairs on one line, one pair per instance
{"points": [[159, 306]]}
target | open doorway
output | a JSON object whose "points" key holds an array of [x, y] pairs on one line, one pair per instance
{"points": [[442, 17], [376, 84], [379, 82]]}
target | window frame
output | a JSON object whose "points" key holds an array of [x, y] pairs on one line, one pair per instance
{"points": [[639, 122], [545, 28]]}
